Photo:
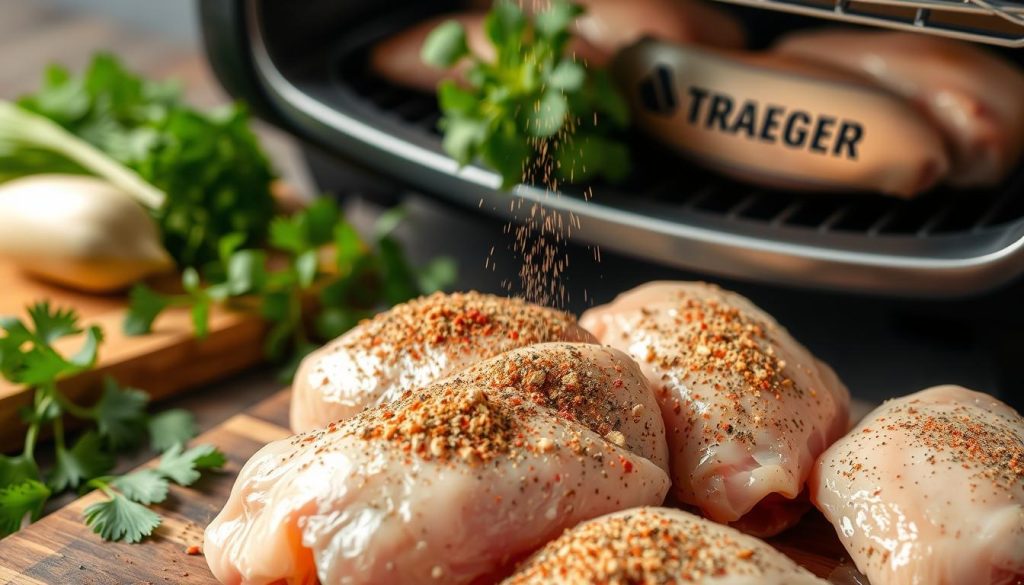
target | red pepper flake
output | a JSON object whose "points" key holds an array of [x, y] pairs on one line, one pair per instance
{"points": [[627, 465], [193, 550]]}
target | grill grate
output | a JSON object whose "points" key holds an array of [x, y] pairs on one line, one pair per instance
{"points": [[997, 22], [942, 212]]}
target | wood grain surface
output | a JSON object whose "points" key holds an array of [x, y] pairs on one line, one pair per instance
{"points": [[163, 363], [60, 549]]}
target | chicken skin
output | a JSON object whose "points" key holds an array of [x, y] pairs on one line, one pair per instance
{"points": [[747, 409], [414, 344], [658, 546], [599, 387], [451, 483], [929, 490], [971, 94]]}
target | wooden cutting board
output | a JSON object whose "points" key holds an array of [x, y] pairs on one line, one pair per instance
{"points": [[165, 362], [60, 549]]}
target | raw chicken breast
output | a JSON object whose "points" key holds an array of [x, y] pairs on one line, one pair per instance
{"points": [[975, 97], [600, 387], [414, 344], [658, 546], [929, 490], [747, 408], [449, 484]]}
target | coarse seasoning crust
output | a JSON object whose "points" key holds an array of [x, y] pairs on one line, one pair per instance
{"points": [[714, 344], [647, 546], [957, 436], [713, 337], [456, 321], [557, 377], [451, 421]]}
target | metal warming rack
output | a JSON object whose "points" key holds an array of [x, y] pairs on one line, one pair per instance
{"points": [[996, 22]]}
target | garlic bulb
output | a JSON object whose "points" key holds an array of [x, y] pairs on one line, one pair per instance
{"points": [[78, 231]]}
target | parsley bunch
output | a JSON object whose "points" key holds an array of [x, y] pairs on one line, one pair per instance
{"points": [[118, 419], [533, 105], [209, 164], [324, 258]]}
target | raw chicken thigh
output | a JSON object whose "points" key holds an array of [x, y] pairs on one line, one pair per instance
{"points": [[600, 387], [658, 545], [414, 344], [972, 95], [929, 490], [747, 409], [448, 484]]}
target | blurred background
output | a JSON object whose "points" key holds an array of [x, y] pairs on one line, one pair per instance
{"points": [[880, 347], [158, 38]]}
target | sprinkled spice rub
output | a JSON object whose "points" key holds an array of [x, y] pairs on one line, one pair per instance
{"points": [[657, 546], [457, 421], [447, 484], [929, 488], [414, 344], [747, 409], [599, 387]]}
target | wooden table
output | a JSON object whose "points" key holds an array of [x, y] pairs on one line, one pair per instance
{"points": [[33, 35]]}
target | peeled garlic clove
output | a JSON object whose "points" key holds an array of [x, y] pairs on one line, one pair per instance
{"points": [[78, 231]]}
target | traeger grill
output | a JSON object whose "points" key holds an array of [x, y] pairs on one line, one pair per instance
{"points": [[303, 66]]}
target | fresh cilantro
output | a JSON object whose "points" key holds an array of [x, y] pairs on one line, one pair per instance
{"points": [[359, 279], [19, 501], [14, 470], [145, 486], [84, 461], [27, 356], [171, 427], [144, 307], [121, 519], [202, 174], [532, 112], [52, 324], [120, 414], [183, 467], [123, 516]]}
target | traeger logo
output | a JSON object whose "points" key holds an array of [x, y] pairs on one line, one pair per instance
{"points": [[658, 92], [769, 123]]}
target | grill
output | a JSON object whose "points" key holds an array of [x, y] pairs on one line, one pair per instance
{"points": [[705, 196], [996, 22], [944, 243]]}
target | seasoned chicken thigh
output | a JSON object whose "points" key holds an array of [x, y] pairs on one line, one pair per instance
{"points": [[414, 344], [747, 409], [599, 387], [929, 490], [975, 97], [658, 546], [448, 484]]}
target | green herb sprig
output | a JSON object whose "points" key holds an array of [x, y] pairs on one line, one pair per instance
{"points": [[124, 515], [324, 257], [202, 174], [532, 112], [118, 421]]}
